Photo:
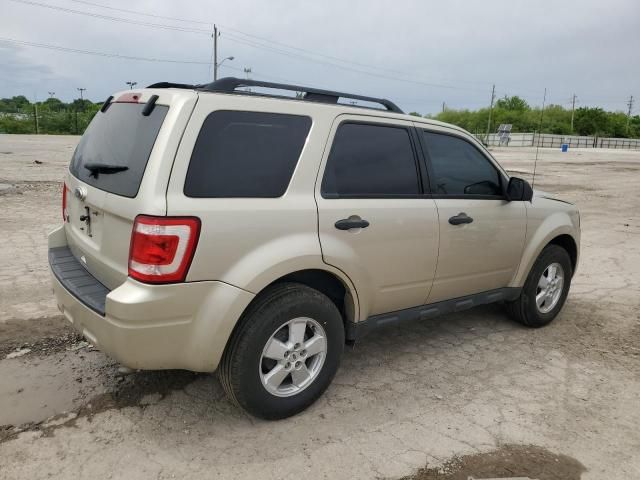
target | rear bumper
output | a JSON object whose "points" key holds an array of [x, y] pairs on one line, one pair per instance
{"points": [[152, 327]]}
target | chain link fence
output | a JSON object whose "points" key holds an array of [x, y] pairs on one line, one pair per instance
{"points": [[548, 140]]}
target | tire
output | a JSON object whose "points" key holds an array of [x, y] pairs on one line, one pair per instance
{"points": [[525, 309], [276, 318]]}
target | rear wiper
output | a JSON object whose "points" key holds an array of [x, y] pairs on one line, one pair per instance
{"points": [[96, 168]]}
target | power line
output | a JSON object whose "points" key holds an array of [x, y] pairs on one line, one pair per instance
{"points": [[257, 37], [124, 10], [127, 57], [242, 38], [258, 45], [238, 39], [100, 54], [115, 19], [330, 57]]}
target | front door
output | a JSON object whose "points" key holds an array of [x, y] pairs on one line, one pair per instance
{"points": [[375, 222], [481, 234]]}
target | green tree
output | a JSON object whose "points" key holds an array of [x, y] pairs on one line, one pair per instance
{"points": [[512, 103], [53, 104], [591, 121]]}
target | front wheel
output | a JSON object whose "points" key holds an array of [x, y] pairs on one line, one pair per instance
{"points": [[284, 353], [545, 289]]}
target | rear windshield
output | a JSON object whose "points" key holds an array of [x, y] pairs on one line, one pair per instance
{"points": [[117, 138]]}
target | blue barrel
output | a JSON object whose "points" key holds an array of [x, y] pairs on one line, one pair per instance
{"points": [[565, 147]]}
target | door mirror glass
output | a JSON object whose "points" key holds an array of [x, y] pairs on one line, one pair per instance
{"points": [[519, 190]]}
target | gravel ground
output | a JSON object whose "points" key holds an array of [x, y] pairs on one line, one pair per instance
{"points": [[469, 394]]}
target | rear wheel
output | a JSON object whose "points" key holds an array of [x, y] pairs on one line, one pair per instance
{"points": [[284, 353], [545, 289]]}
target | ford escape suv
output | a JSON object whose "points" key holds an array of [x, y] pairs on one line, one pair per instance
{"points": [[210, 227]]}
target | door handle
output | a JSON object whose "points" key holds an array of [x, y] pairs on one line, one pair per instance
{"points": [[460, 219], [352, 222]]}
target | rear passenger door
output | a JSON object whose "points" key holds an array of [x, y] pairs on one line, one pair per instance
{"points": [[481, 233], [375, 222]]}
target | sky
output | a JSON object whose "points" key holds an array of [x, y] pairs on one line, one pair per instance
{"points": [[417, 53]]}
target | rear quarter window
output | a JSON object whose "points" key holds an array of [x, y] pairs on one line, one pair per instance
{"points": [[245, 154], [121, 137]]}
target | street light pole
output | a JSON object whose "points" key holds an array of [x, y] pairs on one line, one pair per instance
{"points": [[131, 84], [81, 90], [215, 67]]}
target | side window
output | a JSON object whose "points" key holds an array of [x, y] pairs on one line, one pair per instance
{"points": [[245, 154], [370, 160], [458, 168]]}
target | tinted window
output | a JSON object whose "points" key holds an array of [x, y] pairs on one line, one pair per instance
{"points": [[458, 168], [370, 160], [245, 154], [119, 137]]}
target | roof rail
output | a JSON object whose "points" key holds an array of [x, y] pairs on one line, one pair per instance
{"points": [[230, 84]]}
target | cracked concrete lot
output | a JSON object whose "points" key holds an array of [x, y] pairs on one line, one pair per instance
{"points": [[470, 394]]}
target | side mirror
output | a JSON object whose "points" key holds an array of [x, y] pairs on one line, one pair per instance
{"points": [[519, 190]]}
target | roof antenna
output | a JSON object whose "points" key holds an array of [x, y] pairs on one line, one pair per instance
{"points": [[535, 162]]}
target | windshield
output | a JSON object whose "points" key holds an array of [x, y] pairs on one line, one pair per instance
{"points": [[113, 152]]}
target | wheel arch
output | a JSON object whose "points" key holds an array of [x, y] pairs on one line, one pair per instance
{"points": [[334, 284], [561, 234], [568, 243]]}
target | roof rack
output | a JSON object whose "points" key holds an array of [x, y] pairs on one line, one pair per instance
{"points": [[231, 84]]}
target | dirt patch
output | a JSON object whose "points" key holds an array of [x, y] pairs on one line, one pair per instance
{"points": [[41, 336], [509, 461], [139, 389]]}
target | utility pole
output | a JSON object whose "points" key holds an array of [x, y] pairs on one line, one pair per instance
{"points": [[215, 52], [35, 117], [81, 90], [493, 97], [630, 104], [444, 107], [573, 109]]}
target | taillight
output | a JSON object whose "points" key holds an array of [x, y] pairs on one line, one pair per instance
{"points": [[65, 215], [162, 248]]}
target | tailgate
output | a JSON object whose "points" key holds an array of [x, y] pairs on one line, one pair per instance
{"points": [[119, 170]]}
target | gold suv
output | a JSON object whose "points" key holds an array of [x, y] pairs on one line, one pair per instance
{"points": [[213, 227]]}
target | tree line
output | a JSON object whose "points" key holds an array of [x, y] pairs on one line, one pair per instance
{"points": [[590, 121], [53, 116]]}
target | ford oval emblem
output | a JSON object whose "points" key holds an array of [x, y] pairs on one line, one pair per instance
{"points": [[80, 193]]}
